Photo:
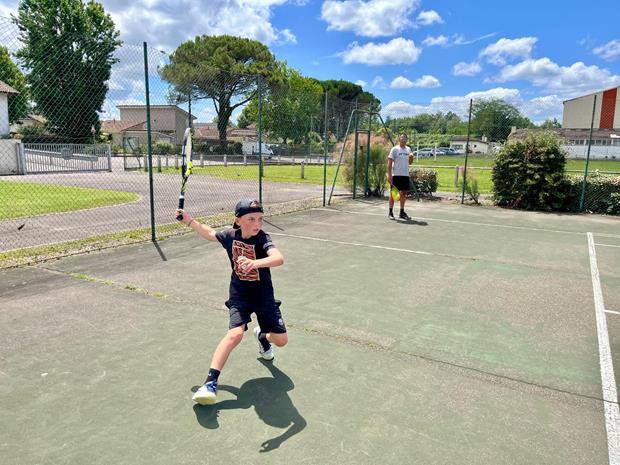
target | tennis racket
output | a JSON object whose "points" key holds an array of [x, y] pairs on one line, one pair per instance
{"points": [[186, 167]]}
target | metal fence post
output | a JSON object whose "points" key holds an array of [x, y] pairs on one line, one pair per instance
{"points": [[325, 142], [260, 140], [585, 174], [466, 153], [366, 183], [148, 139]]}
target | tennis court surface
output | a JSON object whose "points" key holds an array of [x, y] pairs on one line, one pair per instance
{"points": [[469, 335]]}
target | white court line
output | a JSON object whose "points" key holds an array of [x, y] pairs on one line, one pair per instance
{"points": [[608, 381], [333, 210], [356, 244], [607, 245], [612, 311]]}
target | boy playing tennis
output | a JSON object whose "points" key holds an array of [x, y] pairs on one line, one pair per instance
{"points": [[251, 253]]}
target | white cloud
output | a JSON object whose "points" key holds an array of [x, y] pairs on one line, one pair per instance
{"points": [[540, 108], [426, 18], [427, 82], [537, 109], [466, 69], [165, 24], [401, 83], [371, 18], [431, 41], [361, 83], [285, 36], [610, 51], [453, 40], [395, 52], [378, 83], [568, 81], [505, 49], [456, 104]]}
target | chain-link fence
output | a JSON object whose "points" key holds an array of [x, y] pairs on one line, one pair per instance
{"points": [[91, 134]]}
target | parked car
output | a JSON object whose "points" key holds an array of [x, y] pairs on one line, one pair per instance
{"points": [[425, 152], [446, 151]]}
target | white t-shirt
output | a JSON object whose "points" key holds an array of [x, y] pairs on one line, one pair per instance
{"points": [[401, 160]]}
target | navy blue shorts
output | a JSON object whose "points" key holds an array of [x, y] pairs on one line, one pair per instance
{"points": [[267, 313]]}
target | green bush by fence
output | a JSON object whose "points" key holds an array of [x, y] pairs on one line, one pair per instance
{"points": [[424, 180], [529, 174]]}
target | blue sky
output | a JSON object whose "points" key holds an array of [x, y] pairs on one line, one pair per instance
{"points": [[414, 55]]}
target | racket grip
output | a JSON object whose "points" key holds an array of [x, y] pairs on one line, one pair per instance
{"points": [[181, 205]]}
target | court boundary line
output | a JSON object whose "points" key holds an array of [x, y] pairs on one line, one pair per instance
{"points": [[505, 226], [608, 380], [607, 245], [429, 254]]}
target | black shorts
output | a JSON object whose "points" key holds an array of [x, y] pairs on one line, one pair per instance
{"points": [[401, 182], [267, 313]]}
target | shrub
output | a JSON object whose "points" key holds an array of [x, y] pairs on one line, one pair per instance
{"points": [[529, 174], [472, 188], [602, 193], [377, 169], [424, 181], [163, 147]]}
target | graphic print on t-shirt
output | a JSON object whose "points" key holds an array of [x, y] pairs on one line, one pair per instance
{"points": [[241, 249]]}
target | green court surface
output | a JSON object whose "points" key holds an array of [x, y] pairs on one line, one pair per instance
{"points": [[468, 335]]}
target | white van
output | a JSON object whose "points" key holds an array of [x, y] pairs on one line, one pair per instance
{"points": [[251, 148]]}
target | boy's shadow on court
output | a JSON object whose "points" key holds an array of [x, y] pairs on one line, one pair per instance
{"points": [[412, 222], [270, 399]]}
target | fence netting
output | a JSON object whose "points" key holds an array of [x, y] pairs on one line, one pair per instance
{"points": [[84, 155]]}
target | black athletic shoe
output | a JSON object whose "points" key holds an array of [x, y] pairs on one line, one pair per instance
{"points": [[404, 216], [390, 216]]}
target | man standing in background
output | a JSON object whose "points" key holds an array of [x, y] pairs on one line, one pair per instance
{"points": [[399, 159]]}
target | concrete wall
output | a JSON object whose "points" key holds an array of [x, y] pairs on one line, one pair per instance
{"points": [[11, 157]]}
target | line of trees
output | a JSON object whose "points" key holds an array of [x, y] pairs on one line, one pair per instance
{"points": [[492, 119]]}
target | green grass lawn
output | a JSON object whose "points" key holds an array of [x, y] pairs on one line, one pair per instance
{"points": [[21, 199], [444, 165], [313, 174]]}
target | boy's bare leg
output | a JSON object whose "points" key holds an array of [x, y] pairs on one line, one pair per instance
{"points": [[403, 197], [224, 348], [279, 339]]}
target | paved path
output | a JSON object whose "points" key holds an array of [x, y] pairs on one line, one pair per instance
{"points": [[205, 196]]}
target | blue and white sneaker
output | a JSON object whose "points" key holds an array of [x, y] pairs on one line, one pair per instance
{"points": [[266, 354], [206, 394]]}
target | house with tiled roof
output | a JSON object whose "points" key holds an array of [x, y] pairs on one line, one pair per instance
{"points": [[168, 123]]}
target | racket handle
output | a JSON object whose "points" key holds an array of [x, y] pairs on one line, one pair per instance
{"points": [[181, 205]]}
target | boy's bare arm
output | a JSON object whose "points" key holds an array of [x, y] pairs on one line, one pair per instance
{"points": [[274, 258], [203, 230]]}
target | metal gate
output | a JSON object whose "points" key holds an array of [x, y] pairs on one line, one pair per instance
{"points": [[66, 158]]}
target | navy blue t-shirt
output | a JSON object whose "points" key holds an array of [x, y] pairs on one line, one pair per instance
{"points": [[254, 283]]}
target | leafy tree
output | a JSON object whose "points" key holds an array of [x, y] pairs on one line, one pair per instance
{"points": [[341, 99], [11, 75], [68, 48], [290, 109], [550, 124], [494, 119], [223, 69]]}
